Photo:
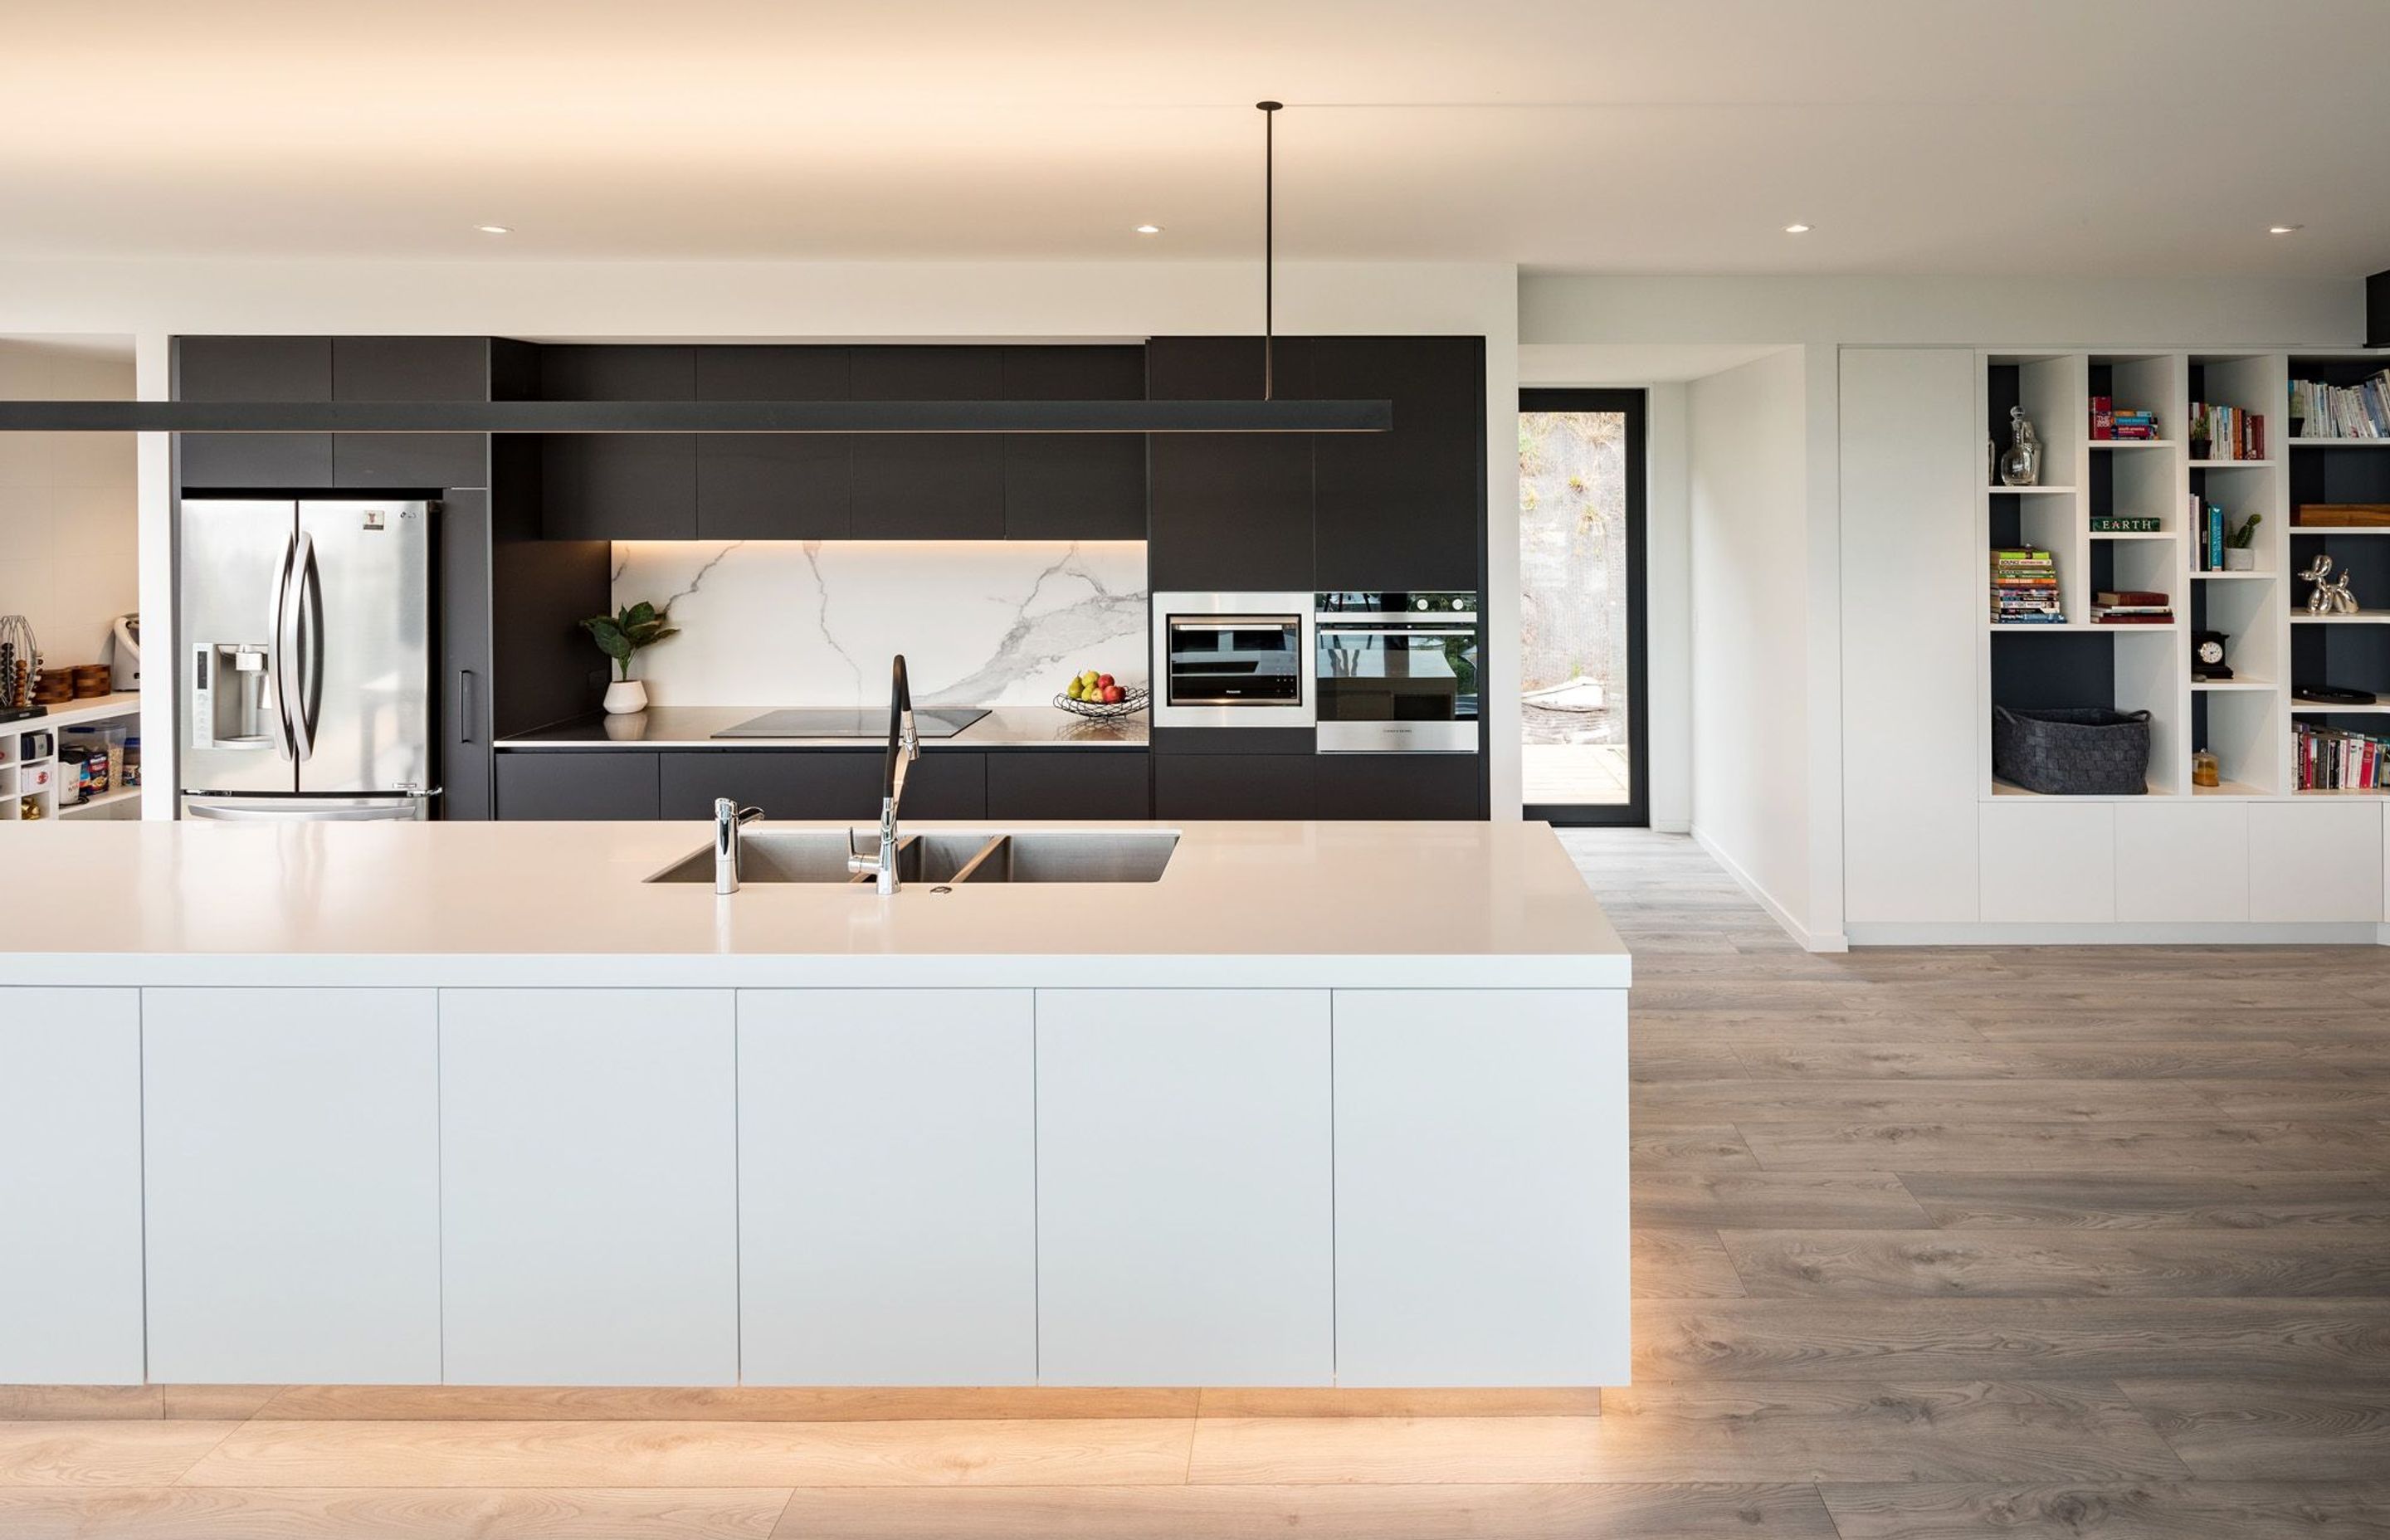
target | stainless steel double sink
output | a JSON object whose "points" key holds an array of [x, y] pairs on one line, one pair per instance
{"points": [[946, 857]]}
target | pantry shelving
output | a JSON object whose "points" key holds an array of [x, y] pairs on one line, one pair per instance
{"points": [[33, 779]]}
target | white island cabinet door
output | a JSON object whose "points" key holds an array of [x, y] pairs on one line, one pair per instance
{"points": [[887, 1187], [1481, 1188], [1184, 1210], [292, 1158], [590, 1228], [69, 1187]]}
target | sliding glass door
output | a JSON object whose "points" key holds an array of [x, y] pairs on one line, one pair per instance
{"points": [[1581, 562]]}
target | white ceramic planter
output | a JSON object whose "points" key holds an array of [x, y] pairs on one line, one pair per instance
{"points": [[624, 696], [2240, 561]]}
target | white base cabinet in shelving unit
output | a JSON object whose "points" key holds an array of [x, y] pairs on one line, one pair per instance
{"points": [[2047, 860], [887, 1186], [1185, 1213], [290, 1157], [2314, 861], [588, 1174], [2180, 863], [70, 1186], [1476, 1242]]}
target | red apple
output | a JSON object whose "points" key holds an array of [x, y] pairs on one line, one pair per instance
{"points": [[1105, 680], [1114, 695]]}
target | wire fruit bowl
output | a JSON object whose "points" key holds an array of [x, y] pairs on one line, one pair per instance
{"points": [[1132, 702]]}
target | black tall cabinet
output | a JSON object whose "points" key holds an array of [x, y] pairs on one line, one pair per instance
{"points": [[1228, 511]]}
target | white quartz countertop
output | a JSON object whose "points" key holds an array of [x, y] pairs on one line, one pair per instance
{"points": [[694, 727], [1255, 904]]}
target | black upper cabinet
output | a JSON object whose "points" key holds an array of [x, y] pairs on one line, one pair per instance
{"points": [[253, 368], [1228, 511], [1402, 509], [774, 486], [618, 486], [410, 369], [929, 486], [1074, 486]]}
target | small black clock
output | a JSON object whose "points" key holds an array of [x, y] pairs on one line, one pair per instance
{"points": [[2207, 656]]}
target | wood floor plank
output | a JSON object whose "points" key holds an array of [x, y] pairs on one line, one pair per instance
{"points": [[1695, 1060], [2060, 1263], [1683, 1263], [2135, 1511], [713, 1404], [1906, 1101], [1760, 1339], [1530, 1401], [1806, 1430], [1551, 1511], [2219, 1145], [153, 1451], [1753, 1199], [2273, 1058], [225, 1513], [2261, 1101], [1688, 1146], [2240, 1430], [1094, 1452], [1976, 1200]]}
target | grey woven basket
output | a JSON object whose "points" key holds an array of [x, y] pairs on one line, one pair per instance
{"points": [[2077, 752]]}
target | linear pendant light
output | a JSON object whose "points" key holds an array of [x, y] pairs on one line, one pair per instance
{"points": [[1267, 414]]}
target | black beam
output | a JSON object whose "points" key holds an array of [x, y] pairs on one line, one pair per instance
{"points": [[2377, 309], [697, 416]]}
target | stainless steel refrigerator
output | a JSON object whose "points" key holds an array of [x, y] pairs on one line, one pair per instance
{"points": [[306, 658]]}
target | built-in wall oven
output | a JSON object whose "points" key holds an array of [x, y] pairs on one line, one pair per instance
{"points": [[1397, 673], [1232, 660]]}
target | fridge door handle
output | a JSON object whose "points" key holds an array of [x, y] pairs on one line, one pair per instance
{"points": [[310, 584], [284, 649], [291, 685]]}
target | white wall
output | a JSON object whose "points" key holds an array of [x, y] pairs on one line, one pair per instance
{"points": [[69, 559], [1747, 521], [891, 301]]}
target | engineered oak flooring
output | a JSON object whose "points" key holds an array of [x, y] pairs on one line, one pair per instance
{"points": [[1931, 1244]]}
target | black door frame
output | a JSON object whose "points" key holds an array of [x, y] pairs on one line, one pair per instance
{"points": [[1636, 812]]}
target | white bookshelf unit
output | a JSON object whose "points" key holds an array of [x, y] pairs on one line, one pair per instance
{"points": [[37, 776], [1938, 850]]}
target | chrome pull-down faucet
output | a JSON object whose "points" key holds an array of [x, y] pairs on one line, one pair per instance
{"points": [[727, 819], [904, 748]]}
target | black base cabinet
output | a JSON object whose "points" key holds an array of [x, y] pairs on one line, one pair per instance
{"points": [[1068, 783], [1399, 786], [605, 785], [1233, 786], [796, 785]]}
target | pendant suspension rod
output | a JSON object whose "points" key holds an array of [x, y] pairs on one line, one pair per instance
{"points": [[1270, 246]]}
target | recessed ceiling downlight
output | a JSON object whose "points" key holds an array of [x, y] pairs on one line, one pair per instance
{"points": [[1148, 229], [2283, 230], [1796, 229], [495, 230]]}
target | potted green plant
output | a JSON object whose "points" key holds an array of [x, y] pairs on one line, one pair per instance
{"points": [[2239, 554], [622, 636]]}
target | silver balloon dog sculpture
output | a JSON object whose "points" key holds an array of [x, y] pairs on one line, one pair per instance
{"points": [[2331, 596]]}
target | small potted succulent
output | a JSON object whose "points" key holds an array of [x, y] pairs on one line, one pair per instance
{"points": [[620, 636], [2239, 554]]}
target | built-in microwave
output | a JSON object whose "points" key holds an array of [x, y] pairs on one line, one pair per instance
{"points": [[1232, 660], [1397, 673]]}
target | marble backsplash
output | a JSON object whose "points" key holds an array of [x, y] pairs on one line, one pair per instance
{"points": [[815, 623]]}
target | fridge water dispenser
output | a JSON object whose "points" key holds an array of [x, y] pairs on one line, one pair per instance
{"points": [[228, 696]]}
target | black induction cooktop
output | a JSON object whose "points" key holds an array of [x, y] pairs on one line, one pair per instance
{"points": [[838, 723]]}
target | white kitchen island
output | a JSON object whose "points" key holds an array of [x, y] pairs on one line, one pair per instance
{"points": [[1325, 1105]]}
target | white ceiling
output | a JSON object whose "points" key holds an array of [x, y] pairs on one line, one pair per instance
{"points": [[1947, 136]]}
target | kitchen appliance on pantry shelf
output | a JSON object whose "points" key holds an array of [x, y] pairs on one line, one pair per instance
{"points": [[1397, 671], [306, 659], [1232, 659]]}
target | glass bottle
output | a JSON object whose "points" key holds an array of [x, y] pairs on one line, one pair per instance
{"points": [[2021, 465]]}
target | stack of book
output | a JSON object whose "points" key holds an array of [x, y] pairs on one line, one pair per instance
{"points": [[2131, 607], [2330, 759], [2025, 588], [2232, 434], [2111, 421], [2320, 411], [2208, 530]]}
